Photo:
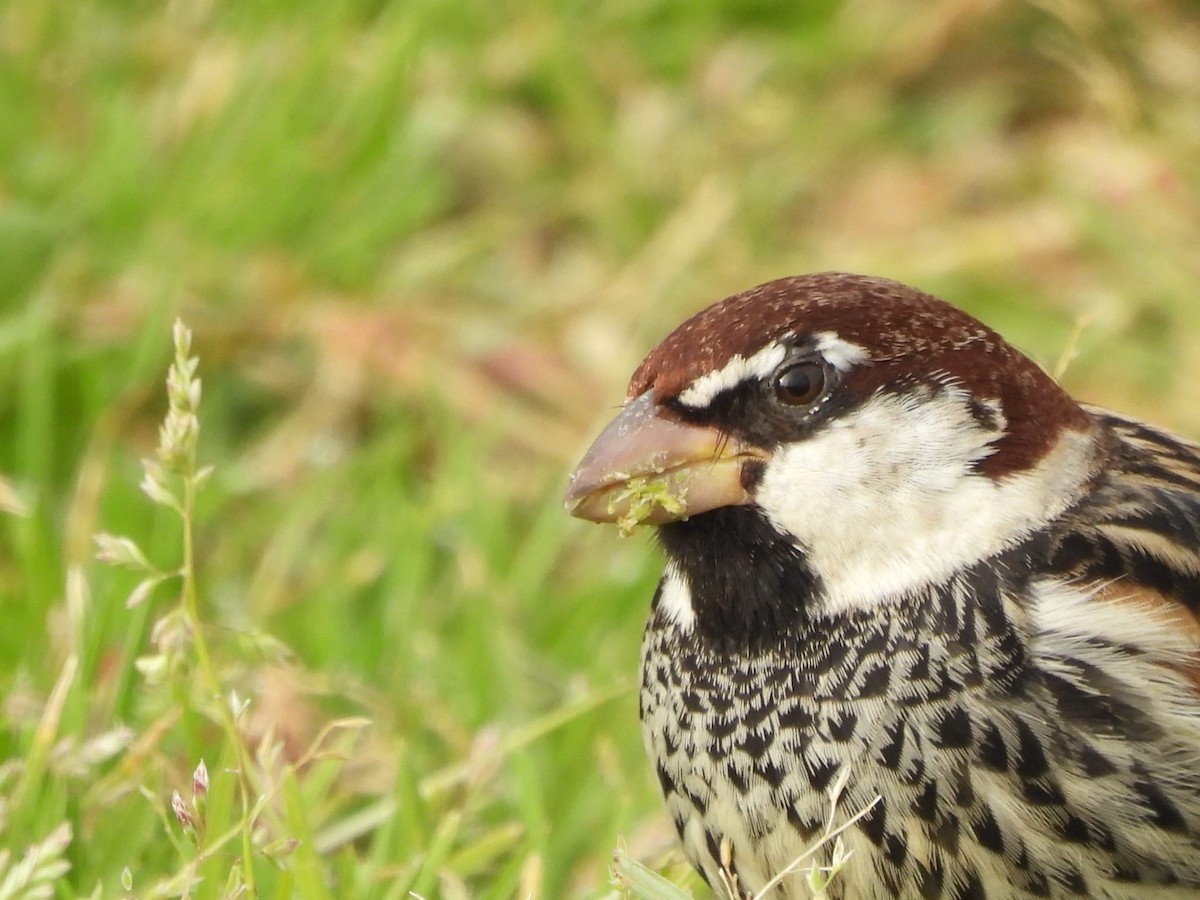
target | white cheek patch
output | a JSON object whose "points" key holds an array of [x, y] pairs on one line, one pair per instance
{"points": [[886, 499], [701, 392], [675, 598]]}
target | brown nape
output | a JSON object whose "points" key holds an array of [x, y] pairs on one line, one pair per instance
{"points": [[911, 338]]}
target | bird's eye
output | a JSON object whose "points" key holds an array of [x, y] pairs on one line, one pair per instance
{"points": [[800, 385]]}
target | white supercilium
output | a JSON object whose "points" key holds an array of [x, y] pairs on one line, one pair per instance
{"points": [[842, 355], [705, 389]]}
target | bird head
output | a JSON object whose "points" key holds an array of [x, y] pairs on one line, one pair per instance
{"points": [[871, 436]]}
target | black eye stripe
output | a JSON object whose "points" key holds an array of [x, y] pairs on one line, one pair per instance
{"points": [[752, 411]]}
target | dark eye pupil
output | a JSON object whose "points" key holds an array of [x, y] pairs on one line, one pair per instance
{"points": [[800, 384]]}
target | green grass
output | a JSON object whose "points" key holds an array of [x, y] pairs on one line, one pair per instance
{"points": [[421, 246]]}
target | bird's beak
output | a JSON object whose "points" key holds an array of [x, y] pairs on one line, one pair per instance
{"points": [[648, 469]]}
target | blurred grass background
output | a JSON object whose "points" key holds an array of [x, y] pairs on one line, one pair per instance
{"points": [[422, 245]]}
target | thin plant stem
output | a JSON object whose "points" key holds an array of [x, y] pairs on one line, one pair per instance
{"points": [[177, 451], [226, 715]]}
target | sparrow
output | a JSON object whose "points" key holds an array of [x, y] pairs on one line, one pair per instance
{"points": [[928, 627]]}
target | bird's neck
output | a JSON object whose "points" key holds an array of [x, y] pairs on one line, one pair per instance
{"points": [[731, 579], [732, 593]]}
